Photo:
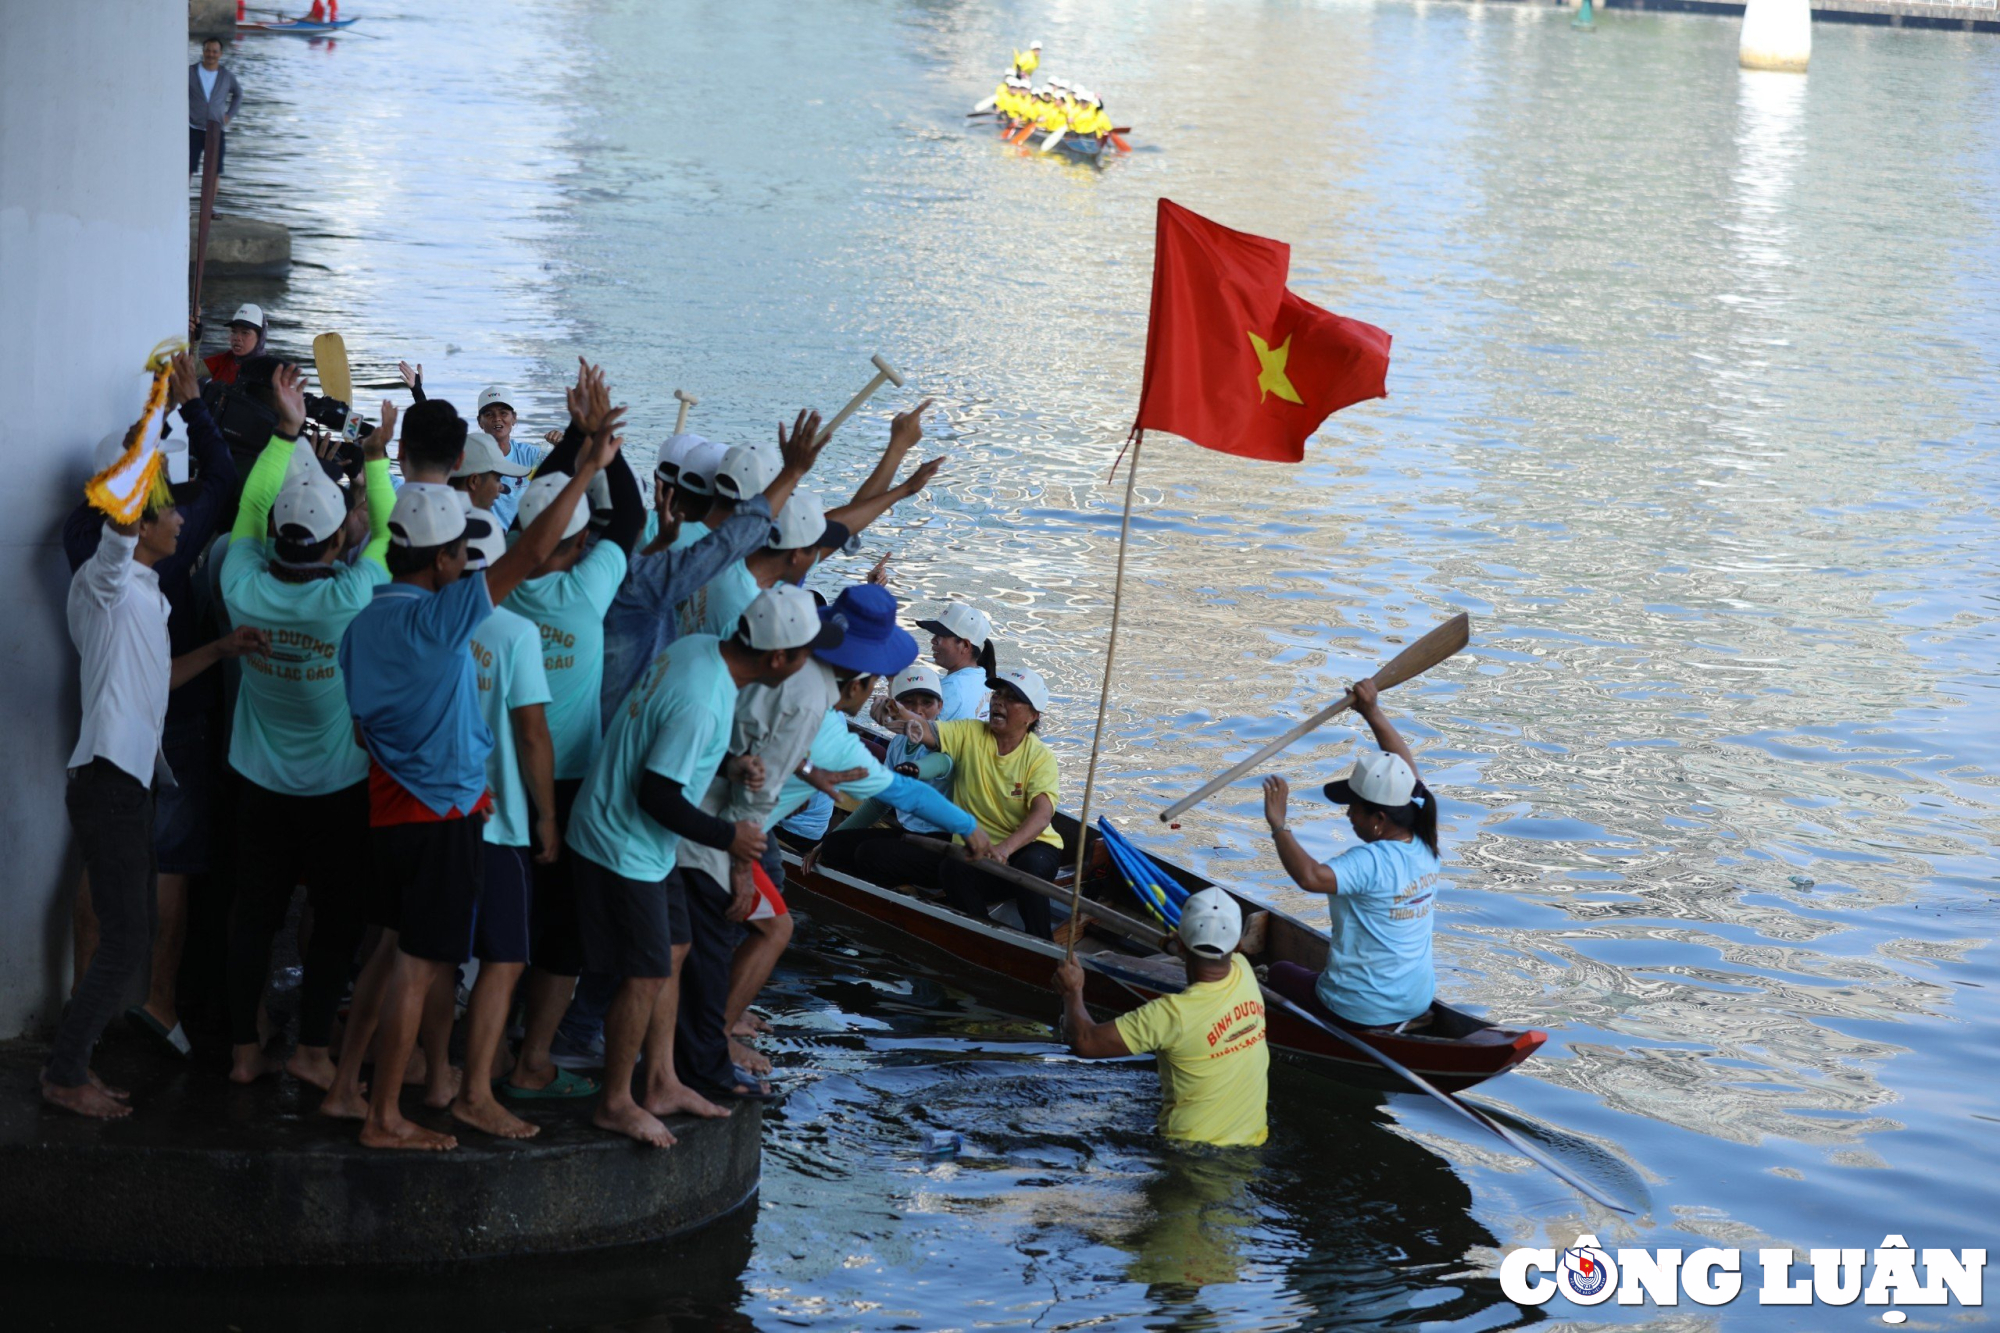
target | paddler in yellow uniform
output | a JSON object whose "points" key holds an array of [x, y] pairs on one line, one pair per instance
{"points": [[1214, 1062], [1048, 112], [1026, 63]]}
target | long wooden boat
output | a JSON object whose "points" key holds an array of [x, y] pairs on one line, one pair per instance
{"points": [[1079, 147], [1013, 969], [303, 27]]}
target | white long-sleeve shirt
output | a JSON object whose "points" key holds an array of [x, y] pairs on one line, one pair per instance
{"points": [[118, 621]]}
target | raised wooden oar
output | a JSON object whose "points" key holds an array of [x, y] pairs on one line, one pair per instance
{"points": [[211, 167], [1150, 936], [884, 374], [1414, 660], [687, 400]]}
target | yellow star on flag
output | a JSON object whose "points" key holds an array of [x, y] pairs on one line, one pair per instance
{"points": [[1271, 375]]}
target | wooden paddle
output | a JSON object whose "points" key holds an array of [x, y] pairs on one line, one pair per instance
{"points": [[211, 166], [884, 374], [687, 400], [983, 107], [1055, 137], [330, 361], [1414, 660], [1150, 936]]}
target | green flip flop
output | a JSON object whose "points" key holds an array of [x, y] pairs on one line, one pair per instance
{"points": [[564, 1086]]}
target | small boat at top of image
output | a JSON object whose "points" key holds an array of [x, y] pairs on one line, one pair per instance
{"points": [[1060, 116], [321, 19]]}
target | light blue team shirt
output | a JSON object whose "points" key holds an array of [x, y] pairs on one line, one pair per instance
{"points": [[835, 748], [1378, 968], [507, 661], [569, 608], [292, 732], [675, 723], [902, 750], [718, 605], [508, 502], [967, 696], [413, 692]]}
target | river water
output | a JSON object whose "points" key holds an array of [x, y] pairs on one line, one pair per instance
{"points": [[1692, 409]]}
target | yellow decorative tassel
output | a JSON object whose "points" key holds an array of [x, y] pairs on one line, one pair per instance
{"points": [[138, 480]]}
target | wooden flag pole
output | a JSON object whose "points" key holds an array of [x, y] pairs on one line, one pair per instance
{"points": [[1103, 695], [211, 166]]}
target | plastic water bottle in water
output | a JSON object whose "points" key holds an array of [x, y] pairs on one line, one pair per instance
{"points": [[942, 1142]]}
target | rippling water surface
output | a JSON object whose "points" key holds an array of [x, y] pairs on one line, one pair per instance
{"points": [[1692, 408]]}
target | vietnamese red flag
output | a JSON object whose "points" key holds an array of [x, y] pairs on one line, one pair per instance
{"points": [[1236, 362]]}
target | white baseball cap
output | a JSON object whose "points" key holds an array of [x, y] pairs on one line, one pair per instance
{"points": [[493, 396], [484, 542], [668, 465], [1028, 683], [426, 514], [541, 492], [745, 471], [799, 523], [917, 676], [698, 465], [1034, 46], [597, 499], [1378, 778], [482, 455], [786, 616], [961, 622], [310, 503], [1211, 923], [248, 314]]}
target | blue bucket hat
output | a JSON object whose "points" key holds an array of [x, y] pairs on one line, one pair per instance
{"points": [[875, 643]]}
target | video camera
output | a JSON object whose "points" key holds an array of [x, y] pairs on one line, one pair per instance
{"points": [[247, 425]]}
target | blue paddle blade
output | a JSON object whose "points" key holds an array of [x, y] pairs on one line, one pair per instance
{"points": [[1143, 875], [1170, 887], [1132, 876]]}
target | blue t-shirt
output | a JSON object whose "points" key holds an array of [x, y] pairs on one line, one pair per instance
{"points": [[569, 607], [1378, 969], [292, 732], [836, 749], [717, 606], [967, 696], [508, 502], [902, 751], [507, 659], [675, 723], [412, 688]]}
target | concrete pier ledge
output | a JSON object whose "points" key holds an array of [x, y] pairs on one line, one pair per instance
{"points": [[243, 247], [206, 1174]]}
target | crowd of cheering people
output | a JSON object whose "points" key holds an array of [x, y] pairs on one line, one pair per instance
{"points": [[508, 714]]}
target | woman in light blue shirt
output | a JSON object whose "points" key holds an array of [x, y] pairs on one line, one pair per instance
{"points": [[1381, 894], [962, 646]]}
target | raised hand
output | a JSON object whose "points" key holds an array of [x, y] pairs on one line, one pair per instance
{"points": [[907, 428], [413, 376], [880, 574], [800, 449], [182, 382], [552, 436], [921, 477], [578, 397], [288, 385], [1277, 795], [376, 443]]}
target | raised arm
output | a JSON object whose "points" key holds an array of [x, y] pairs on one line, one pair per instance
{"points": [[267, 475], [904, 433], [1307, 873], [380, 492], [539, 541], [800, 451], [1369, 706]]}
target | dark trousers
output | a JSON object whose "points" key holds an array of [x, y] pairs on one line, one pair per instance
{"points": [[198, 142], [282, 841], [112, 813], [890, 860], [701, 1039], [554, 930]]}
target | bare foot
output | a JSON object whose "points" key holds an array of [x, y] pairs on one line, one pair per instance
{"points": [[343, 1106], [750, 1025], [634, 1122], [250, 1063], [87, 1099], [311, 1064], [749, 1057], [493, 1118], [107, 1089], [417, 1069], [405, 1134], [683, 1099], [531, 1080], [440, 1092]]}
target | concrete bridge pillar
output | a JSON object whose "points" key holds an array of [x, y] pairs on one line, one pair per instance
{"points": [[1777, 34]]}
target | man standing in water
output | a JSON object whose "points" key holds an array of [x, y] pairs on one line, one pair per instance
{"points": [[1214, 1063]]}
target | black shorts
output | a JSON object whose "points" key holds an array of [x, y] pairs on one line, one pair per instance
{"points": [[629, 926], [500, 935], [553, 930], [426, 885]]}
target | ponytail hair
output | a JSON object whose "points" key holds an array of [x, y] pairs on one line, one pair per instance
{"points": [[987, 661]]}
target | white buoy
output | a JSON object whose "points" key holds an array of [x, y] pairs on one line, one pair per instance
{"points": [[1777, 34]]}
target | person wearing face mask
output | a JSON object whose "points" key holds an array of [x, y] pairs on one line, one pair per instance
{"points": [[1381, 895], [302, 807]]}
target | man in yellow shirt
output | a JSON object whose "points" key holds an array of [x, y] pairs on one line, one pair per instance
{"points": [[1214, 1062], [1025, 64]]}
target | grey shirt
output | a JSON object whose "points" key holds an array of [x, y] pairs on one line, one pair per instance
{"points": [[220, 104]]}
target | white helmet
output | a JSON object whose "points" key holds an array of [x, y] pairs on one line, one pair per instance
{"points": [[1211, 923]]}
